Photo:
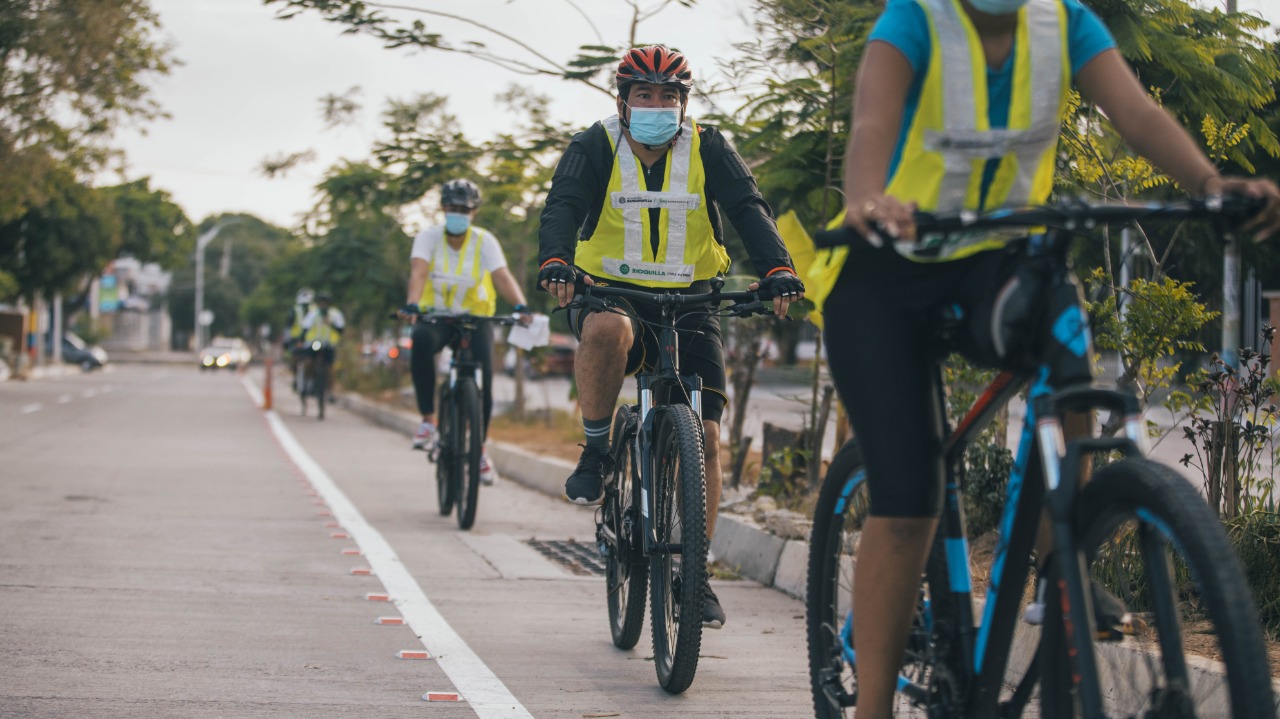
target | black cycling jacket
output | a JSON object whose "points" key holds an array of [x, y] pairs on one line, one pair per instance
{"points": [[582, 178]]}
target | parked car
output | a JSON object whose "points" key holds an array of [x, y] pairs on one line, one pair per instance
{"points": [[228, 352], [76, 351], [555, 359]]}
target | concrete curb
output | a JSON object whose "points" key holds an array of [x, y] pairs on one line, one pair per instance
{"points": [[738, 542]]}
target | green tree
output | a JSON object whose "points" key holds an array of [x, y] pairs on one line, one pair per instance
{"points": [[70, 72], [153, 227], [56, 245], [387, 22]]}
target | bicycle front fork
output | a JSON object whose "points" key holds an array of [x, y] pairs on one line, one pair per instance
{"points": [[1063, 461]]}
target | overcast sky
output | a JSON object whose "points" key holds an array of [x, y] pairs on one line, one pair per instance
{"points": [[250, 87]]}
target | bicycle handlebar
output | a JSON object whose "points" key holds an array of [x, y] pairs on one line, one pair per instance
{"points": [[746, 303], [459, 318], [1069, 216]]}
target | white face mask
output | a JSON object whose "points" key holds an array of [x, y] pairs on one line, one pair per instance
{"points": [[998, 7]]}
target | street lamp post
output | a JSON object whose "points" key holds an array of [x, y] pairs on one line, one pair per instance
{"points": [[201, 242]]}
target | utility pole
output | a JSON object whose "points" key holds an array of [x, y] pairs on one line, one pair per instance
{"points": [[1231, 287], [202, 242]]}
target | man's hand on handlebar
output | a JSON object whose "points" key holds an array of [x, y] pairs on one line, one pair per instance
{"points": [[557, 278], [785, 288], [409, 312]]}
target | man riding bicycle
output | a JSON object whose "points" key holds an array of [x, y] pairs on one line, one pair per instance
{"points": [[292, 344], [323, 324], [958, 106], [455, 267], [635, 201]]}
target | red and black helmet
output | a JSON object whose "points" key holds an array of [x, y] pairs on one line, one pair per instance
{"points": [[654, 64]]}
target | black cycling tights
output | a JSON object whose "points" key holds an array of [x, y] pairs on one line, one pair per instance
{"points": [[428, 340], [881, 337]]}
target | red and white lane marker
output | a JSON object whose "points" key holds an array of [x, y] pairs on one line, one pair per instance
{"points": [[441, 697], [487, 696]]}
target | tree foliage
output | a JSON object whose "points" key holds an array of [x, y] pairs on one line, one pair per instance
{"points": [[70, 72], [388, 23]]}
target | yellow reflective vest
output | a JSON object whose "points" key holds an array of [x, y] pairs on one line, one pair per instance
{"points": [[950, 139], [463, 287], [687, 247]]}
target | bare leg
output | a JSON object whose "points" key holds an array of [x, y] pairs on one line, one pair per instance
{"points": [[711, 434], [601, 363], [891, 557]]}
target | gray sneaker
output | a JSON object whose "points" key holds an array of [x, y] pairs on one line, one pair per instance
{"points": [[712, 612]]}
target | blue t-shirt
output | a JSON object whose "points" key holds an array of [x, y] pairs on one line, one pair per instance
{"points": [[904, 26]]}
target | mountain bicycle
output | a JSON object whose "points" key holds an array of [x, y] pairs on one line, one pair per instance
{"points": [[460, 417], [313, 375], [1134, 513], [653, 520]]}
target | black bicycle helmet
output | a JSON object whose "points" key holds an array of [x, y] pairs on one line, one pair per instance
{"points": [[654, 64], [460, 193]]}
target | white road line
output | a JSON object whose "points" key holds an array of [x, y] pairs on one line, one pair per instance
{"points": [[33, 407], [480, 687], [63, 399]]}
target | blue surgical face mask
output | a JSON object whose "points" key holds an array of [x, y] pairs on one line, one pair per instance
{"points": [[998, 7], [456, 223], [654, 125]]}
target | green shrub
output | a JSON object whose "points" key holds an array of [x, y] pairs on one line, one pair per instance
{"points": [[1256, 537]]}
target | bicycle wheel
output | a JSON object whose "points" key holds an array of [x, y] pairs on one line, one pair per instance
{"points": [[301, 379], [678, 566], [620, 535], [443, 454], [838, 520], [468, 444], [322, 388], [1149, 537]]}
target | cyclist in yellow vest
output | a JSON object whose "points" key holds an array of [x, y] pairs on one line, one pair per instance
{"points": [[456, 267], [292, 344], [324, 325], [958, 106], [635, 201]]}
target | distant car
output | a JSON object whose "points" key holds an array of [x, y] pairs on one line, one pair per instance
{"points": [[225, 352], [555, 359], [76, 351]]}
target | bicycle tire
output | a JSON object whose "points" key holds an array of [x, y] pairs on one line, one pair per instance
{"points": [[842, 509], [678, 581], [626, 569], [1187, 561], [322, 381], [301, 379], [468, 446], [445, 494]]}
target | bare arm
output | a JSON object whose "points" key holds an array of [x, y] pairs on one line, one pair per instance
{"points": [[505, 283], [420, 269], [883, 81], [1109, 82]]}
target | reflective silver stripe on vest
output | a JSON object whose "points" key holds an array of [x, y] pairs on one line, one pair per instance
{"points": [[633, 199], [961, 142]]}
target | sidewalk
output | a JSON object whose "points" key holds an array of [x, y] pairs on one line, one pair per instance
{"points": [[738, 542]]}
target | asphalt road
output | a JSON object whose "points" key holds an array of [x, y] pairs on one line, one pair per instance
{"points": [[163, 554]]}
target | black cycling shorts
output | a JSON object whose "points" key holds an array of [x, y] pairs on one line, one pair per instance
{"points": [[882, 337], [701, 345]]}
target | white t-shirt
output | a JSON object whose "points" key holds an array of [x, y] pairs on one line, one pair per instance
{"points": [[429, 240]]}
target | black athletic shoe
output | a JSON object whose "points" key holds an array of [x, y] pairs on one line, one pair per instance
{"points": [[586, 484], [712, 612]]}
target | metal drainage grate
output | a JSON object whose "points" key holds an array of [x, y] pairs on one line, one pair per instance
{"points": [[582, 559]]}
